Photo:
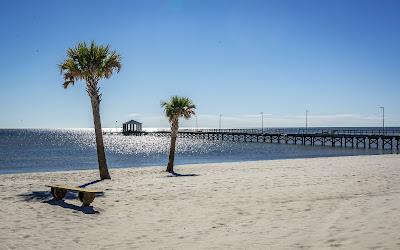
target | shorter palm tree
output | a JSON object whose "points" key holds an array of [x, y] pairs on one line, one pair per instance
{"points": [[174, 109]]}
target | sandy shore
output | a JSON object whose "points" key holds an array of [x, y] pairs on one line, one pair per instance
{"points": [[341, 203]]}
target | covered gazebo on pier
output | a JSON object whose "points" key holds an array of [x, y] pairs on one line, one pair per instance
{"points": [[131, 126]]}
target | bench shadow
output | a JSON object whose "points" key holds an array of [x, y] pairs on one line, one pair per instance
{"points": [[63, 204], [175, 174], [44, 195], [47, 197]]}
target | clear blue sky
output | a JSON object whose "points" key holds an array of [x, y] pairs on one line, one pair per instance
{"points": [[339, 59]]}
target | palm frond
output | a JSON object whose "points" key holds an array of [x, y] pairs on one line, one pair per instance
{"points": [[178, 107], [90, 63]]}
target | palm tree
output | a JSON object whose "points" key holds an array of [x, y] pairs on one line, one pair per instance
{"points": [[91, 63], [175, 108]]}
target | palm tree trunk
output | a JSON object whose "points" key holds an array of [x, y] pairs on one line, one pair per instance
{"points": [[174, 133], [101, 156]]}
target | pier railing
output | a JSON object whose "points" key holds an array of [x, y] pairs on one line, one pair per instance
{"points": [[343, 137], [388, 132], [317, 131]]}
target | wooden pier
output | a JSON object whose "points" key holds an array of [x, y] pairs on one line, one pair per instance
{"points": [[388, 140]]}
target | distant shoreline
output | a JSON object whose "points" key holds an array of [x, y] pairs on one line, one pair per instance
{"points": [[162, 167], [166, 127]]}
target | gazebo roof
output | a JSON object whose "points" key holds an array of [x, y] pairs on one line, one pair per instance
{"points": [[132, 122]]}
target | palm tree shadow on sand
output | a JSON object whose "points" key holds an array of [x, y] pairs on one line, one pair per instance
{"points": [[174, 174], [89, 183], [47, 197]]}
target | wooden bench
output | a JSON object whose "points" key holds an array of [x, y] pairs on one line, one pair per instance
{"points": [[86, 196]]}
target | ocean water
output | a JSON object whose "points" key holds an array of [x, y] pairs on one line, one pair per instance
{"points": [[39, 150]]}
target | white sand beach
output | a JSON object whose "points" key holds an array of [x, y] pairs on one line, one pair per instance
{"points": [[321, 203]]}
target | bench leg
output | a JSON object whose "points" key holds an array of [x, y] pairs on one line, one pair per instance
{"points": [[86, 198], [58, 193]]}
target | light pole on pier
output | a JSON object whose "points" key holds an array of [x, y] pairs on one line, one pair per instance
{"points": [[219, 124], [262, 122], [307, 120], [383, 119], [116, 122]]}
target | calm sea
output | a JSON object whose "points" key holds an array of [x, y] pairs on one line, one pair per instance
{"points": [[38, 150]]}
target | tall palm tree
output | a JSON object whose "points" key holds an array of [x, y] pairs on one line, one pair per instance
{"points": [[91, 63], [175, 108]]}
